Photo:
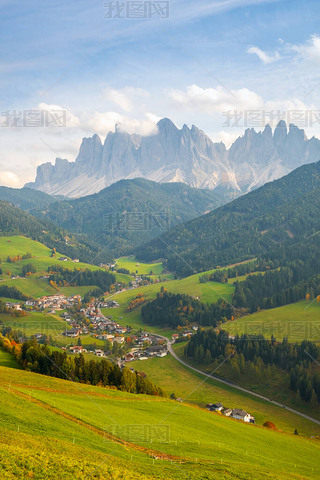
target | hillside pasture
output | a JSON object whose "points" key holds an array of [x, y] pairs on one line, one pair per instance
{"points": [[193, 388], [151, 437], [296, 321]]}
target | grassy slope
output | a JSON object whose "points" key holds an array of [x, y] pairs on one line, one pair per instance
{"points": [[131, 264], [297, 321], [55, 429], [47, 324], [7, 360], [185, 383], [34, 286]]}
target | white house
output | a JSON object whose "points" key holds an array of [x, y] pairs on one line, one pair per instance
{"points": [[242, 415], [99, 353]]}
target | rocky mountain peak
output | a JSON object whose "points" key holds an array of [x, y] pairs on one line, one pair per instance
{"points": [[187, 155]]}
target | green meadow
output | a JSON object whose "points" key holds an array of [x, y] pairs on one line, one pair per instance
{"points": [[296, 321], [58, 429], [49, 325], [140, 268], [34, 286], [36, 322], [42, 255], [195, 389], [7, 360]]}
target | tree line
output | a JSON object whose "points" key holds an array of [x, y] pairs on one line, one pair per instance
{"points": [[12, 292], [298, 276], [223, 274], [40, 359], [258, 353]]}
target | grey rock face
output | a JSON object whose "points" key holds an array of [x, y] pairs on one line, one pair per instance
{"points": [[186, 155]]}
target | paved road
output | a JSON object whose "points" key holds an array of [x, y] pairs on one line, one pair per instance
{"points": [[230, 384]]}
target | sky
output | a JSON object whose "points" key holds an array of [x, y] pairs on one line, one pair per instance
{"points": [[71, 69]]}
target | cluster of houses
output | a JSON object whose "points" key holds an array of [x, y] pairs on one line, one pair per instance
{"points": [[55, 302], [236, 413], [108, 304], [100, 323], [80, 349], [148, 346]]}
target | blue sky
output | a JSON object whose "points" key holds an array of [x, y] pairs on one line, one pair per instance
{"points": [[206, 58]]}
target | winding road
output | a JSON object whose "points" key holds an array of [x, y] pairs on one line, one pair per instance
{"points": [[230, 384]]}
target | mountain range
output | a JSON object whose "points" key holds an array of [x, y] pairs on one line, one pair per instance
{"points": [[187, 155]]}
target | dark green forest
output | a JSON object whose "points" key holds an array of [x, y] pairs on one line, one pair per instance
{"points": [[100, 278], [170, 309]]}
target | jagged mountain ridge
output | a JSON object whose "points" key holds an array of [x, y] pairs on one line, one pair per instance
{"points": [[187, 155]]}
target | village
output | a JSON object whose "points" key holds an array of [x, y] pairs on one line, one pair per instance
{"points": [[89, 320]]}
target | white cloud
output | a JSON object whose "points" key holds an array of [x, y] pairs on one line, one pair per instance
{"points": [[9, 179], [210, 100], [125, 98], [264, 57], [104, 122], [218, 100], [71, 120], [310, 50]]}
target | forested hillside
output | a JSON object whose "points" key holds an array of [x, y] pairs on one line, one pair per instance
{"points": [[130, 212], [257, 353], [14, 221], [284, 212], [27, 198]]}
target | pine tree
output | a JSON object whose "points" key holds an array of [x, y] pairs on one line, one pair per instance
{"points": [[207, 357]]}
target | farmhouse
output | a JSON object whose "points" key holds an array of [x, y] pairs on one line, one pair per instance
{"points": [[78, 349], [74, 332], [216, 407], [155, 350], [227, 412], [242, 415], [99, 353]]}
